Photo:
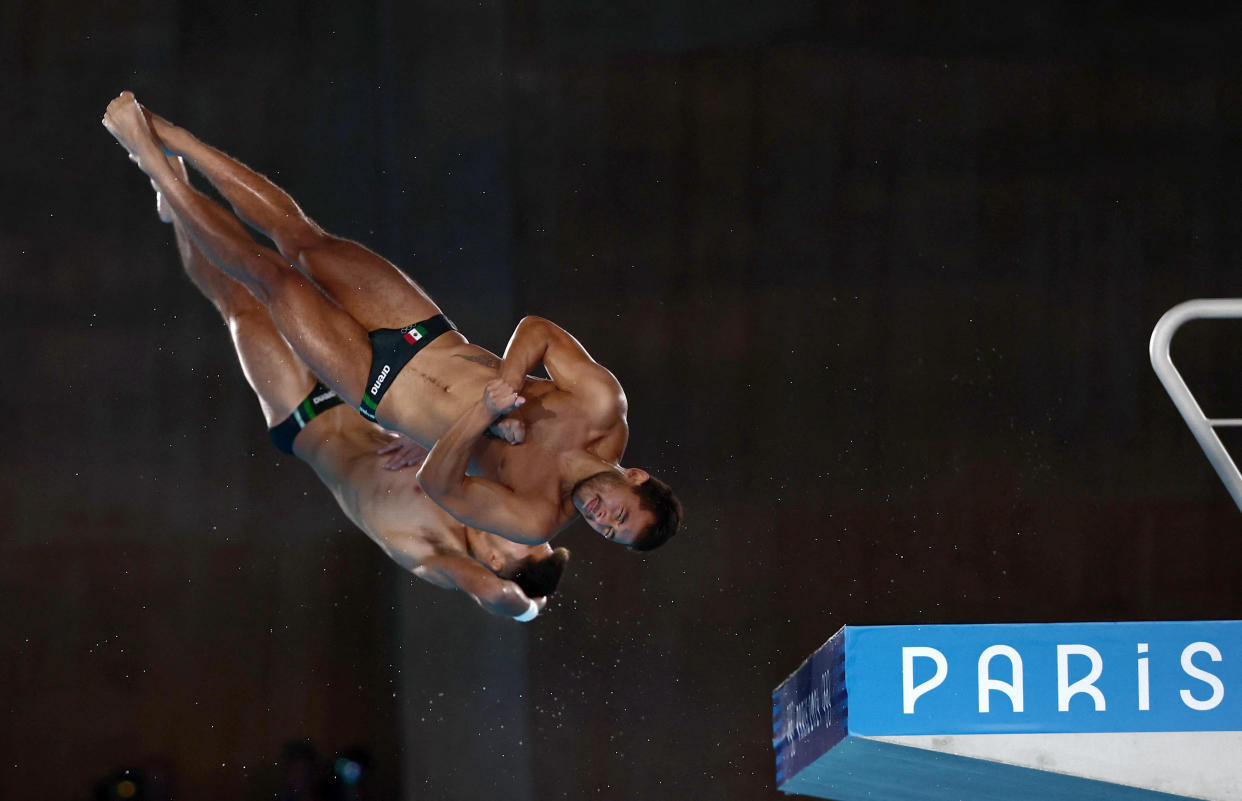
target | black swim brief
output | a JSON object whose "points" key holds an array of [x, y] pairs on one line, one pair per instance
{"points": [[391, 350], [317, 402]]}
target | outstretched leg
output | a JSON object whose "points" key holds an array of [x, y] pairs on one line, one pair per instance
{"points": [[331, 342], [278, 377], [365, 284]]}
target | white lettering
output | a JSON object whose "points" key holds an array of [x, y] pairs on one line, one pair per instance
{"points": [[383, 374], [789, 734], [807, 715], [1065, 690], [1144, 686], [924, 668], [1218, 689], [321, 398], [987, 683], [825, 695], [910, 693]]}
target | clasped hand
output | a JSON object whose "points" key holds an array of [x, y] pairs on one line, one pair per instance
{"points": [[500, 398]]}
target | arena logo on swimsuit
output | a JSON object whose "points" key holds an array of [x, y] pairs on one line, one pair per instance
{"points": [[379, 382]]}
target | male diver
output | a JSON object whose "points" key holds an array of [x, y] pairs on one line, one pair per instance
{"points": [[362, 464], [342, 307]]}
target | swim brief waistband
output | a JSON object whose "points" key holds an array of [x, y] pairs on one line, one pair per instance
{"points": [[316, 403], [391, 351]]}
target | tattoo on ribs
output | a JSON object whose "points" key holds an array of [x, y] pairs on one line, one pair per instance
{"points": [[485, 359]]}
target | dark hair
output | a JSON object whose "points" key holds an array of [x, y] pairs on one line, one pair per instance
{"points": [[537, 576], [657, 497]]}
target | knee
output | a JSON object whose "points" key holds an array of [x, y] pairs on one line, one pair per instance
{"points": [[265, 278], [300, 236], [247, 319], [235, 300]]}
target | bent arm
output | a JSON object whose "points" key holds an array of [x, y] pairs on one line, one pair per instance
{"points": [[538, 341], [475, 501], [499, 596]]}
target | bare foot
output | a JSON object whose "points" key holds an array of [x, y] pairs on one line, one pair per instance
{"points": [[127, 123]]}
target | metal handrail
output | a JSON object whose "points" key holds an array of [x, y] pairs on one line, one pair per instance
{"points": [[1162, 362]]}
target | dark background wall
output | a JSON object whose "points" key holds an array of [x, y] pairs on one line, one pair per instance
{"points": [[878, 280]]}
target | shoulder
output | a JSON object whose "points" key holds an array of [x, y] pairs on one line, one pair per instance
{"points": [[601, 396]]}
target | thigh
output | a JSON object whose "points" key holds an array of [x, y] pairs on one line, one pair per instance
{"points": [[277, 375], [331, 343], [366, 285]]}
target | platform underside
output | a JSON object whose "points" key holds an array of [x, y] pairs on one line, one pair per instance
{"points": [[867, 769]]}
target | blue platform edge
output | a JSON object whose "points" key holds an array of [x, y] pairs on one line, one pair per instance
{"points": [[858, 769], [810, 709], [1152, 677]]}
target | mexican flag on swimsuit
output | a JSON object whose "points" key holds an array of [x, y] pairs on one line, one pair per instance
{"points": [[415, 334]]}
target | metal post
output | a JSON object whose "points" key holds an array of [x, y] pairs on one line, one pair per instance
{"points": [[1200, 425]]}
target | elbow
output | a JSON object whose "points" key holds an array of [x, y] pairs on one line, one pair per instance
{"points": [[433, 486], [533, 321], [505, 601]]}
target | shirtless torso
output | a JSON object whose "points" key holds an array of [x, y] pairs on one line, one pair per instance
{"points": [[433, 390], [560, 432], [370, 472], [390, 507], [571, 422], [340, 292]]}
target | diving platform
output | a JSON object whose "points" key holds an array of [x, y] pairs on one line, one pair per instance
{"points": [[1016, 712]]}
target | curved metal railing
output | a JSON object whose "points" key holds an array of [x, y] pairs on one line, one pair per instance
{"points": [[1203, 427]]}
